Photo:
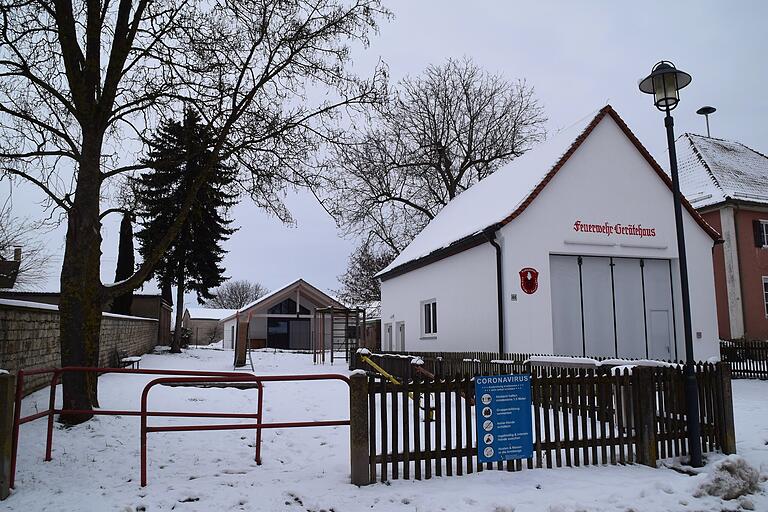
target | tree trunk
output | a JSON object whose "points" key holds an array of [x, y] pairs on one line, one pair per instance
{"points": [[81, 301], [176, 343]]}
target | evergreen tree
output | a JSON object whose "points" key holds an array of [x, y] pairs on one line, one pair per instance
{"points": [[125, 265], [359, 284], [179, 152]]}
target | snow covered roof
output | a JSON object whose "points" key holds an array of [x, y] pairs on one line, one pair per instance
{"points": [[715, 170], [209, 313], [54, 307], [333, 300], [502, 196], [28, 304]]}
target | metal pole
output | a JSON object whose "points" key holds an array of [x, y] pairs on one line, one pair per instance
{"points": [[689, 371], [7, 424]]}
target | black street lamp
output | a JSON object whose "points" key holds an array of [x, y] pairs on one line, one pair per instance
{"points": [[664, 82]]}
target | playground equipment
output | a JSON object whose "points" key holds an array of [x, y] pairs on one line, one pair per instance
{"points": [[337, 331], [364, 356]]}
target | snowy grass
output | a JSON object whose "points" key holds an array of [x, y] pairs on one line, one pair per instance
{"points": [[95, 466]]}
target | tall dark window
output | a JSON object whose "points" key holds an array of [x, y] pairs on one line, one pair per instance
{"points": [[429, 318], [764, 227]]}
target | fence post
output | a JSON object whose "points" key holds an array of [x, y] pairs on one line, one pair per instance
{"points": [[646, 403], [6, 429], [358, 428], [728, 440]]}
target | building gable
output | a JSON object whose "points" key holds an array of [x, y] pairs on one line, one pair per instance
{"points": [[525, 178]]}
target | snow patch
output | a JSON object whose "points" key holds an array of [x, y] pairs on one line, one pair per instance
{"points": [[580, 361], [364, 352], [732, 478]]}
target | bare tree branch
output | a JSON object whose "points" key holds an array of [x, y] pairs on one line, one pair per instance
{"points": [[436, 136]]}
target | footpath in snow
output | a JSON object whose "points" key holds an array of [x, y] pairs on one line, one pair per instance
{"points": [[95, 465]]}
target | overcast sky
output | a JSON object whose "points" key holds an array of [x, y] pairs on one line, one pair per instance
{"points": [[577, 55]]}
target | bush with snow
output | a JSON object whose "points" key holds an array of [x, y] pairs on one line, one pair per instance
{"points": [[732, 478]]}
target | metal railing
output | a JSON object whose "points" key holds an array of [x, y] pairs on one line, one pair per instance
{"points": [[182, 377]]}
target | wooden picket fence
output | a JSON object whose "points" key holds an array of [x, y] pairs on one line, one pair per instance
{"points": [[448, 364], [748, 359], [426, 427]]}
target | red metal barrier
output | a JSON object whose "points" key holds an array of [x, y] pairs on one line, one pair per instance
{"points": [[171, 377], [18, 420], [258, 426]]}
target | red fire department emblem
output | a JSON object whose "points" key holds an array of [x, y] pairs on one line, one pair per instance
{"points": [[529, 280]]}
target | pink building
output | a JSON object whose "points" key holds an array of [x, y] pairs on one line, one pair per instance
{"points": [[727, 182]]}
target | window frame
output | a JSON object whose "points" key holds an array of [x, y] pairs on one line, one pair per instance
{"points": [[429, 323], [765, 295], [764, 227]]}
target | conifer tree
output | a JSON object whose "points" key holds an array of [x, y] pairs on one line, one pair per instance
{"points": [[179, 152], [125, 265]]}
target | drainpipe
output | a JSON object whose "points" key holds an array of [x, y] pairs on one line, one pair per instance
{"points": [[490, 233]]}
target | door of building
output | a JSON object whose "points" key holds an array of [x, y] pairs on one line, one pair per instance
{"points": [[400, 330], [612, 307], [388, 337]]}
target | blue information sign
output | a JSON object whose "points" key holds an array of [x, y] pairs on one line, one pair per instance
{"points": [[503, 406]]}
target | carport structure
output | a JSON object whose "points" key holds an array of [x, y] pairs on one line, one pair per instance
{"points": [[282, 319]]}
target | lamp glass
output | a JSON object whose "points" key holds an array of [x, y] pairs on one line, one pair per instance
{"points": [[665, 91]]}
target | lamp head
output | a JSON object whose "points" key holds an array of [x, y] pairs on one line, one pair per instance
{"points": [[664, 82]]}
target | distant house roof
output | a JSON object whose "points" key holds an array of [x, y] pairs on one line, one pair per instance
{"points": [[715, 170], [505, 194], [209, 313], [332, 301]]}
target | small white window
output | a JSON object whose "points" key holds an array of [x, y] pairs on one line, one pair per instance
{"points": [[765, 294], [388, 337], [429, 318]]}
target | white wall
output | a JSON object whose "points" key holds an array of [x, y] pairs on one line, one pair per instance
{"points": [[606, 180], [229, 341], [465, 288]]}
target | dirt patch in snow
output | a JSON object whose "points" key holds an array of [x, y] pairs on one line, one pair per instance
{"points": [[732, 478]]}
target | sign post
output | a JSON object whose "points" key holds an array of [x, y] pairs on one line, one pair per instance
{"points": [[503, 415]]}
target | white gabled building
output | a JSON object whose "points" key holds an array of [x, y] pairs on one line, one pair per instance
{"points": [[570, 249]]}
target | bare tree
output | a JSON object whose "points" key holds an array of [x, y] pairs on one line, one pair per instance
{"points": [[20, 233], [80, 82], [437, 135], [359, 285], [236, 294]]}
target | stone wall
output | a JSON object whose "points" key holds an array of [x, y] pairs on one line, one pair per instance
{"points": [[29, 338]]}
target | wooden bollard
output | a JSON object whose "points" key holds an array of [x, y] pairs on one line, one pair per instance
{"points": [[7, 385], [647, 450], [728, 429], [358, 428]]}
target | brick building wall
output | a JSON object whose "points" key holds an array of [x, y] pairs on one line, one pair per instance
{"points": [[29, 338], [753, 266]]}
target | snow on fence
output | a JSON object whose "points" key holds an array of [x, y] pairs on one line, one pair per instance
{"points": [[426, 427], [748, 359], [453, 364]]}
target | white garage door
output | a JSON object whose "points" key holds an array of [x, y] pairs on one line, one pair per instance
{"points": [[610, 307]]}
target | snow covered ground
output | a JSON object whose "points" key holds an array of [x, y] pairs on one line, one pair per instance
{"points": [[95, 466]]}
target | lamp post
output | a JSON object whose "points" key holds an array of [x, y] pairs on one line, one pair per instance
{"points": [[664, 82]]}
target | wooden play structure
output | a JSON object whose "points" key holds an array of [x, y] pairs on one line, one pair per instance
{"points": [[338, 332]]}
